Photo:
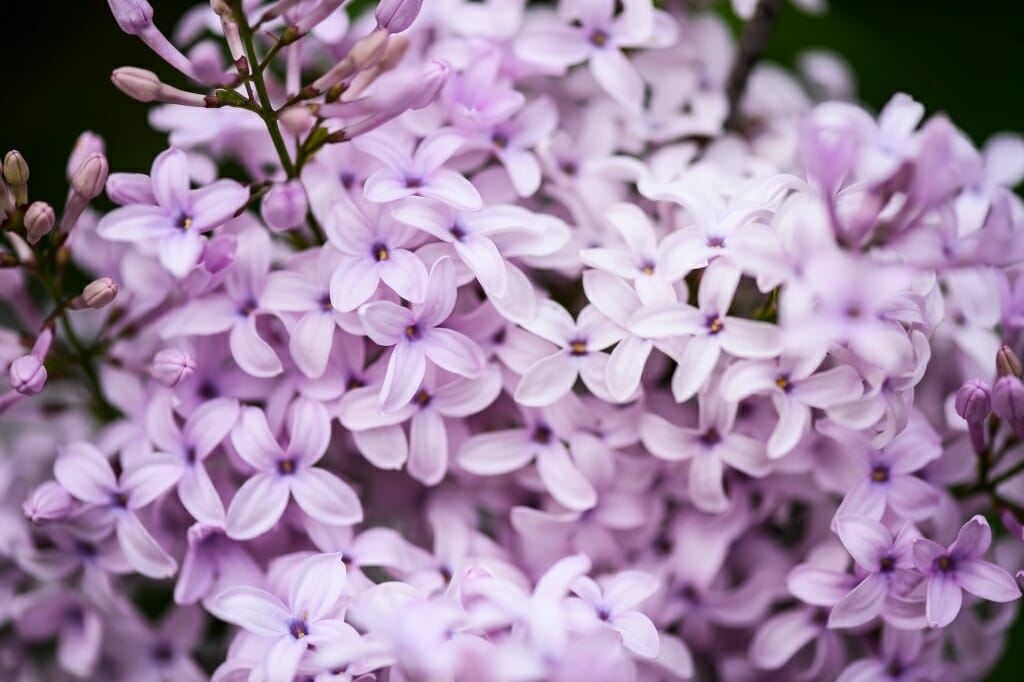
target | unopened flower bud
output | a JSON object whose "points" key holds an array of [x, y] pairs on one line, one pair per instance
{"points": [[91, 176], [172, 366], [87, 144], [133, 16], [973, 401], [16, 175], [95, 295], [296, 120], [394, 16], [1008, 401], [143, 85], [1007, 363], [39, 220], [284, 206], [27, 375], [48, 502]]}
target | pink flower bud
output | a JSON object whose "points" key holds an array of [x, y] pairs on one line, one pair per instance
{"points": [[48, 502], [87, 144], [141, 85], [394, 16], [1008, 400], [973, 401], [172, 366], [27, 375], [90, 177], [296, 120], [133, 16], [1007, 363], [95, 295], [39, 220], [284, 206], [16, 175]]}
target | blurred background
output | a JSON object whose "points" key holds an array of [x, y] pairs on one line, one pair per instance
{"points": [[966, 59]]}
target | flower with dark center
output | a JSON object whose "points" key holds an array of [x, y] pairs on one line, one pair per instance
{"points": [[578, 347], [412, 332], [647, 267], [946, 564], [457, 231], [880, 474], [422, 398], [413, 182], [119, 500], [782, 381], [184, 222], [886, 564], [286, 467], [248, 307], [325, 302], [354, 383], [715, 325], [568, 167], [500, 140], [163, 652]]}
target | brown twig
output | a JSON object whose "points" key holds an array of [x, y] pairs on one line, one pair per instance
{"points": [[752, 43]]}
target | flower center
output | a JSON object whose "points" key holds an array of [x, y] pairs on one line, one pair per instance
{"points": [[578, 347], [457, 232], [599, 38], [500, 140], [413, 183], [298, 628], [945, 563], [711, 437], [647, 268], [542, 434], [119, 499], [880, 474], [412, 332], [422, 398], [782, 381], [184, 222], [379, 251], [715, 324], [886, 564], [286, 467]]}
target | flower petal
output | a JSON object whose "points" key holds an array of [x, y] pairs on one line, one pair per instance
{"points": [[84, 472], [326, 498], [254, 355], [253, 609], [944, 601], [257, 506], [140, 549], [986, 580], [547, 380], [403, 377], [638, 633], [563, 479], [498, 452], [455, 352], [861, 605]]}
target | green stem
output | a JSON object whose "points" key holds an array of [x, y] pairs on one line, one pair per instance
{"points": [[266, 112]]}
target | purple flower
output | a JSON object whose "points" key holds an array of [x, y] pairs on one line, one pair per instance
{"points": [[371, 244], [288, 630], [578, 355], [418, 174], [191, 444], [85, 473], [416, 336], [887, 565], [174, 225], [615, 606], [951, 570], [282, 473], [707, 329]]}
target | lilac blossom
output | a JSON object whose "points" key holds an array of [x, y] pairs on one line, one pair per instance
{"points": [[416, 336], [282, 473], [174, 222], [959, 567]]}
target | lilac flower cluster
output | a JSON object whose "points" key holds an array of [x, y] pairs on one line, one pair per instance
{"points": [[514, 351]]}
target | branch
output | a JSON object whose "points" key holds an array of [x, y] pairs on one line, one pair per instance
{"points": [[755, 38]]}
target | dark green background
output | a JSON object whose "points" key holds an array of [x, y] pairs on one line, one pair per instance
{"points": [[964, 58]]}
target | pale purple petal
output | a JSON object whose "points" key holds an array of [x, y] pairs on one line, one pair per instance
{"points": [[154, 476], [200, 497], [794, 423], [499, 452], [254, 355], [564, 481], [326, 498], [210, 423], [973, 539], [706, 485], [628, 589], [179, 252], [865, 539], [453, 189], [455, 352], [619, 78], [781, 637], [403, 377], [638, 633], [217, 203], [290, 292], [428, 448], [352, 284], [750, 339], [484, 259], [309, 430], [831, 387], [253, 609], [257, 506], [439, 300], [547, 380], [944, 600], [626, 365], [912, 498], [140, 549], [84, 472], [986, 580], [863, 499], [861, 605], [170, 178], [282, 659], [317, 587], [386, 322], [696, 363], [404, 274], [310, 342], [254, 441]]}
